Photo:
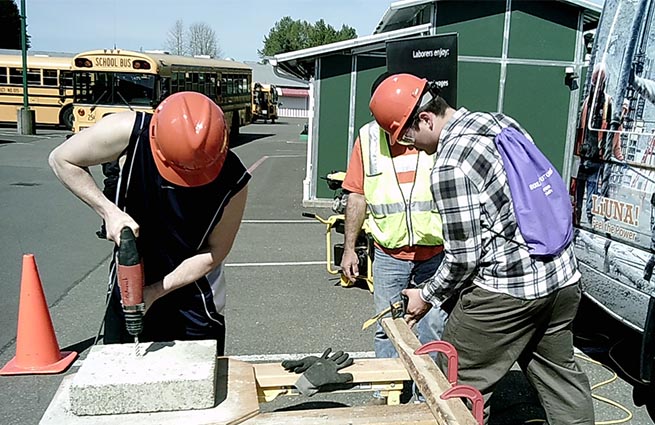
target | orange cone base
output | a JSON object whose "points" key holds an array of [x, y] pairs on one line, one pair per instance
{"points": [[12, 368]]}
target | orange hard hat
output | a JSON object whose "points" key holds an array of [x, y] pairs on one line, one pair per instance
{"points": [[188, 139], [394, 101]]}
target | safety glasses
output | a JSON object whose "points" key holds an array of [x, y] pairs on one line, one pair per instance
{"points": [[406, 140], [407, 137]]}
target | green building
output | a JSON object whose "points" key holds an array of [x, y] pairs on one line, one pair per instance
{"points": [[525, 58]]}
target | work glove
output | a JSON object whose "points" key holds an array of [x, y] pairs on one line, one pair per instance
{"points": [[323, 372], [299, 366]]}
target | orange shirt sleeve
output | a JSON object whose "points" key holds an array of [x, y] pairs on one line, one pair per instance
{"points": [[354, 181]]}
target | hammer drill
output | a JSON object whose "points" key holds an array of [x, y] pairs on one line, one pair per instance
{"points": [[130, 282]]}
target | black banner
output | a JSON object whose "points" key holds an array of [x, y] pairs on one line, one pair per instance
{"points": [[432, 57]]}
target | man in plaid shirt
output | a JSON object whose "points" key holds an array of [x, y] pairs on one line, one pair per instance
{"points": [[510, 306]]}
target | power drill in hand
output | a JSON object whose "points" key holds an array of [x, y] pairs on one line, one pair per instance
{"points": [[130, 282]]}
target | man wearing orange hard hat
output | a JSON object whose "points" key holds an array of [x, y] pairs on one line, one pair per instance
{"points": [[183, 193]]}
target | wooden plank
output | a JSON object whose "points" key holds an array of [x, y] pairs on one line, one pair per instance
{"points": [[427, 375], [237, 401], [406, 414], [270, 375]]}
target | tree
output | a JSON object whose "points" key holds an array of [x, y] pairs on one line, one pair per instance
{"points": [[176, 40], [10, 26], [288, 35], [203, 40]]}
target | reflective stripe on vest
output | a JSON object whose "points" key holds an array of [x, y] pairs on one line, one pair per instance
{"points": [[388, 220]]}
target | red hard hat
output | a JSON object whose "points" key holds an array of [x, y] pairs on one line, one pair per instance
{"points": [[188, 139], [394, 101]]}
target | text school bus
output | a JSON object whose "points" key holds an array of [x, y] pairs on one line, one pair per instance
{"points": [[110, 81], [49, 88]]}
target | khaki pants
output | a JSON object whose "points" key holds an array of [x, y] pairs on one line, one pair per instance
{"points": [[492, 331]]}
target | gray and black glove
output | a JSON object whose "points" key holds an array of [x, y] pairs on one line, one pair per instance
{"points": [[299, 366], [323, 372]]}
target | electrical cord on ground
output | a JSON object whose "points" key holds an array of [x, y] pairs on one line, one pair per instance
{"points": [[606, 400]]}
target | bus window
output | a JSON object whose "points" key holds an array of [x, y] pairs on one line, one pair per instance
{"points": [[66, 79], [3, 75], [135, 89], [177, 82], [194, 81], [164, 89], [109, 88], [15, 76], [211, 86], [50, 77], [34, 77]]}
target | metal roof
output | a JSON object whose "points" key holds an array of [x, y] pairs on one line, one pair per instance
{"points": [[264, 73], [403, 12], [398, 21]]}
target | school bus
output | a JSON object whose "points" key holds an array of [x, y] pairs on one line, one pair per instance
{"points": [[264, 102], [110, 81], [49, 88]]}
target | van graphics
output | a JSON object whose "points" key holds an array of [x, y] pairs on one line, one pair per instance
{"points": [[613, 159], [615, 210]]}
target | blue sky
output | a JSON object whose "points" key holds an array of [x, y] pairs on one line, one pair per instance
{"points": [[78, 25]]}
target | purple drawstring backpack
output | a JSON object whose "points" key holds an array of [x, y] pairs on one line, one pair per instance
{"points": [[541, 200]]}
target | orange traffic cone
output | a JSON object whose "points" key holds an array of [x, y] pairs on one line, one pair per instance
{"points": [[37, 350]]}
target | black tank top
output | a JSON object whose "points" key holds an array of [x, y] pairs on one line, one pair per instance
{"points": [[175, 222]]}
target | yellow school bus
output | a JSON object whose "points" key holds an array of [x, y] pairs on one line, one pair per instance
{"points": [[49, 88], [110, 81], [264, 102]]}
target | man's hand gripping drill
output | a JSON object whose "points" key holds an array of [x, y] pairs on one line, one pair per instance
{"points": [[130, 282]]}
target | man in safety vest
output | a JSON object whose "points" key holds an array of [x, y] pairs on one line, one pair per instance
{"points": [[393, 181]]}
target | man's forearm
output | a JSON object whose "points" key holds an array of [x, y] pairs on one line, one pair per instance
{"points": [[355, 215], [79, 181], [187, 272]]}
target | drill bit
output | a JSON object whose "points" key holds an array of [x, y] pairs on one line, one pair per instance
{"points": [[137, 351]]}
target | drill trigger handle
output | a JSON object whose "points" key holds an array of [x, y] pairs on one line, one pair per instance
{"points": [[128, 254]]}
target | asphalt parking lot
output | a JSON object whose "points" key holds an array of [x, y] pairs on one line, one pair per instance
{"points": [[281, 301]]}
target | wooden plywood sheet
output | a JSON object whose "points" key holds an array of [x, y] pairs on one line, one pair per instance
{"points": [[406, 414]]}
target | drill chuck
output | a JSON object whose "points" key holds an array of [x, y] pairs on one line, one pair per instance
{"points": [[133, 321]]}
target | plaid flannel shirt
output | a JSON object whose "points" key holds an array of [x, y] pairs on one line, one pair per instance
{"points": [[482, 242]]}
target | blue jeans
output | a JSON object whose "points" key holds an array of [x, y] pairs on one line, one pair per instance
{"points": [[390, 277], [592, 189]]}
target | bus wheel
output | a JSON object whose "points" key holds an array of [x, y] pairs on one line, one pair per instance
{"points": [[66, 117]]}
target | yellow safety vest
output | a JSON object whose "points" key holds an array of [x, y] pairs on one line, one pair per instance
{"points": [[398, 220]]}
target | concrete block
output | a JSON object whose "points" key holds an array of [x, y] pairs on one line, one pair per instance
{"points": [[170, 376]]}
